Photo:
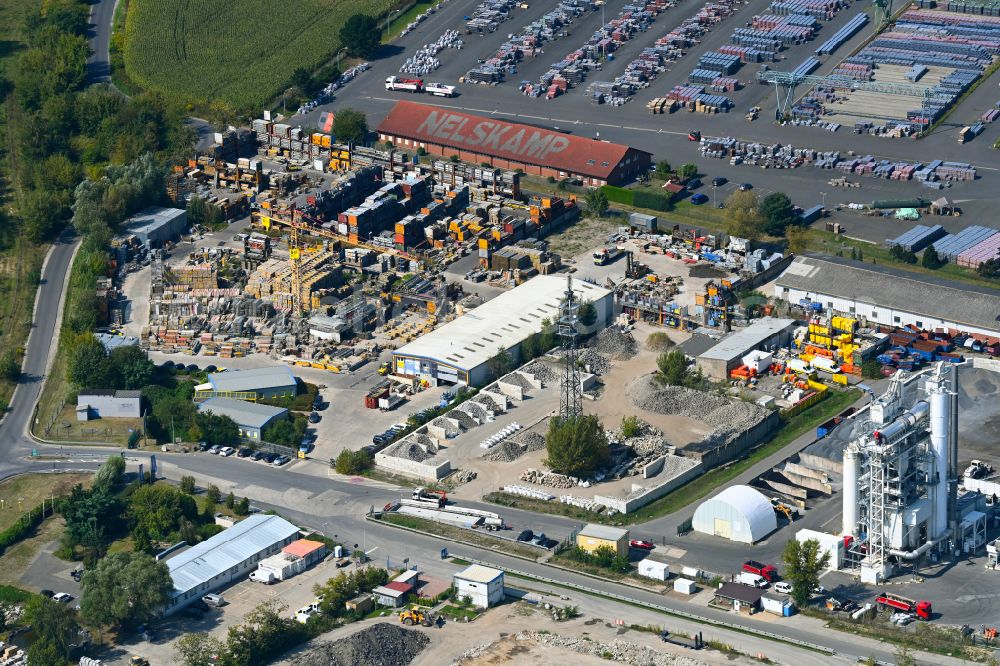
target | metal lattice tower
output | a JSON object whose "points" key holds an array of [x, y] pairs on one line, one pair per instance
{"points": [[571, 395], [877, 491]]}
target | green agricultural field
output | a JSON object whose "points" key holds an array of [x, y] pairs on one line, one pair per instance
{"points": [[240, 54]]}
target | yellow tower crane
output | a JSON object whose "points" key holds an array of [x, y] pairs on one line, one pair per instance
{"points": [[293, 255]]}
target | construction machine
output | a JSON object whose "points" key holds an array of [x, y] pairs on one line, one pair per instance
{"points": [[413, 616], [138, 661], [383, 369]]}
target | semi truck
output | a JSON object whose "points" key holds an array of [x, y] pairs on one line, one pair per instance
{"points": [[406, 85], [922, 609]]}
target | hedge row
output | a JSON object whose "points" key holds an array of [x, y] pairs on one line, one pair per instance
{"points": [[638, 198], [21, 529]]}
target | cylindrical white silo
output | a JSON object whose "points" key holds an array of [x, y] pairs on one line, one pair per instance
{"points": [[850, 518], [940, 421]]}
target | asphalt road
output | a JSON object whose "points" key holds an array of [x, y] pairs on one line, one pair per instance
{"points": [[102, 13], [42, 339]]}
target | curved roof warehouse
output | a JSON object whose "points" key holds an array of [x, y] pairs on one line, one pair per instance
{"points": [[536, 150]]}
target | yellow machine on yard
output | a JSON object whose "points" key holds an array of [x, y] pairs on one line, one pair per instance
{"points": [[415, 615]]}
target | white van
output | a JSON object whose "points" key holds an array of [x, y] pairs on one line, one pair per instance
{"points": [[752, 579], [263, 576]]}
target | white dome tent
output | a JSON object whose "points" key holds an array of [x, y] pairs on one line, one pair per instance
{"points": [[738, 513]]}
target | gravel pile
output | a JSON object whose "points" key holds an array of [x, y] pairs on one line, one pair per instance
{"points": [[596, 363], [616, 651], [714, 410], [616, 344], [515, 446], [488, 403], [517, 379], [464, 415], [531, 440], [410, 449], [542, 371], [506, 451], [381, 644]]}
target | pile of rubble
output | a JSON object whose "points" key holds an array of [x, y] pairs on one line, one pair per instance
{"points": [[383, 643], [617, 650], [462, 476], [516, 446], [615, 343], [551, 479]]}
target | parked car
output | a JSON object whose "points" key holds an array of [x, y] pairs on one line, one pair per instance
{"points": [[525, 535], [281, 460], [642, 545], [719, 181], [215, 450], [694, 183], [214, 600], [62, 597], [257, 455], [244, 452], [227, 451], [783, 588], [746, 187], [269, 457], [314, 417], [699, 199], [203, 446]]}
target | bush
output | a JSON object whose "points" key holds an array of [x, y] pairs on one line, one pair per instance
{"points": [[353, 462], [576, 446], [187, 485], [630, 426], [659, 341]]}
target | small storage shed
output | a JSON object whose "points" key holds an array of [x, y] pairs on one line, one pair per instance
{"points": [[685, 586], [654, 568], [779, 604]]}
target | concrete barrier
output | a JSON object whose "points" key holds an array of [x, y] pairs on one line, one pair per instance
{"points": [[433, 469]]}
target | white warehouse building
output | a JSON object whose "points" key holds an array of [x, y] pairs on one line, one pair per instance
{"points": [[890, 297], [738, 513], [460, 351]]}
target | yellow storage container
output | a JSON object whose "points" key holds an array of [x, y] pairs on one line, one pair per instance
{"points": [[840, 379]]}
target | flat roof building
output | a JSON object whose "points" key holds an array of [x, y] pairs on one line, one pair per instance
{"points": [[250, 417], [459, 352], [272, 381], [536, 150], [230, 554], [882, 295], [156, 225], [763, 334], [592, 537], [481, 584], [109, 403]]}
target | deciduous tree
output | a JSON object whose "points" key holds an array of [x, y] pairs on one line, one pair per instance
{"points": [[743, 218], [350, 126], [124, 590], [804, 562]]}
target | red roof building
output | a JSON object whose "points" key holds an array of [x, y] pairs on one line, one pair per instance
{"points": [[536, 150]]}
